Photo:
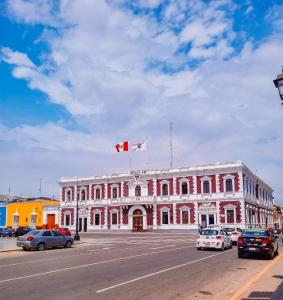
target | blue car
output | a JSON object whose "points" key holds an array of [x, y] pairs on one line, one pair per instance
{"points": [[4, 231]]}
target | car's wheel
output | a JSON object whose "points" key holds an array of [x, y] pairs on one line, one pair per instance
{"points": [[276, 252], [25, 249], [40, 246], [240, 254], [231, 245], [271, 254], [68, 244], [198, 248], [222, 247]]}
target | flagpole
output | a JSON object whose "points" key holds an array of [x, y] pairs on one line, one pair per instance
{"points": [[146, 155], [130, 160], [171, 145]]}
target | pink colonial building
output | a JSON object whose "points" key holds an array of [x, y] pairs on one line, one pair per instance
{"points": [[178, 198]]}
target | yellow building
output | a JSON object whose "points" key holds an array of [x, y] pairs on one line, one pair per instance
{"points": [[35, 212]]}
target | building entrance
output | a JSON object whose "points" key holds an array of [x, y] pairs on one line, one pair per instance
{"points": [[83, 224], [137, 220]]}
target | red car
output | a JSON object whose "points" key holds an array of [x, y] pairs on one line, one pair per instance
{"points": [[64, 231]]}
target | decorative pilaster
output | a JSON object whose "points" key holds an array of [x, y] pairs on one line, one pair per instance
{"points": [[106, 216], [155, 216], [174, 214], [196, 213], [121, 216], [105, 190], [89, 192], [154, 187], [122, 189], [217, 183], [243, 212], [217, 212], [195, 185], [174, 186], [241, 182]]}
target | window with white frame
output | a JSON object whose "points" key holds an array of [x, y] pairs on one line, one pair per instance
{"points": [[184, 188], [165, 189], [229, 185], [114, 192], [185, 215], [114, 217], [67, 219], [230, 214], [98, 193], [32, 220], [138, 191], [68, 195], [97, 218], [83, 194], [206, 187], [165, 216]]}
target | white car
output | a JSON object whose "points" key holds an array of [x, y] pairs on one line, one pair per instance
{"points": [[234, 232], [214, 238]]}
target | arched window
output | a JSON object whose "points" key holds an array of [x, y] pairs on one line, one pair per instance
{"points": [[114, 193], [206, 187], [69, 196], [184, 188], [83, 196], [165, 217], [229, 185], [138, 191], [164, 189], [97, 193]]}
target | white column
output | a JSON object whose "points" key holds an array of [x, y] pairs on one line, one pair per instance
{"points": [[105, 190], [241, 184], [242, 212], [106, 216], [121, 216]]}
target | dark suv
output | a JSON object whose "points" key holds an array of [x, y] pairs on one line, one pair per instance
{"points": [[22, 230], [258, 241]]}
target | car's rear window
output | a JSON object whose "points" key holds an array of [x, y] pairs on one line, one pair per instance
{"points": [[209, 232], [256, 233], [34, 232]]}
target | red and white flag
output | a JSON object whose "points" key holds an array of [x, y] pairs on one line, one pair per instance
{"points": [[124, 146]]}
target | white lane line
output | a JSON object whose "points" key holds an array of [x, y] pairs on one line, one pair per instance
{"points": [[162, 247], [159, 272], [90, 264]]}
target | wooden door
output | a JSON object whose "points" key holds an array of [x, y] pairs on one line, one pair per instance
{"points": [[50, 221], [137, 220]]}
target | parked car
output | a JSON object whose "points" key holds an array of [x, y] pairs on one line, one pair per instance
{"points": [[5, 231], [234, 232], [215, 238], [64, 231], [43, 239], [22, 230], [259, 241]]}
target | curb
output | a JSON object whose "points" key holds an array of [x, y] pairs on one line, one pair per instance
{"points": [[9, 250]]}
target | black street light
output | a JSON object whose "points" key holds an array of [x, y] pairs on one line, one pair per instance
{"points": [[77, 236], [279, 84]]}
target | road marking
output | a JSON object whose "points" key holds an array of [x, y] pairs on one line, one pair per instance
{"points": [[162, 247], [90, 264], [243, 289], [159, 272]]}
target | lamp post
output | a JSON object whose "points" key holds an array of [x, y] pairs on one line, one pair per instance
{"points": [[77, 236], [278, 82]]}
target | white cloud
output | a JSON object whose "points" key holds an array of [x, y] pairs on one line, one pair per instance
{"points": [[226, 109]]}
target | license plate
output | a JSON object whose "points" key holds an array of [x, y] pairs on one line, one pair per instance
{"points": [[259, 240], [252, 249]]}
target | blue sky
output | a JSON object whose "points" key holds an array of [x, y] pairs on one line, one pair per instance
{"points": [[77, 77]]}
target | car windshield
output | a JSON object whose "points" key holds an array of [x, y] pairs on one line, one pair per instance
{"points": [[209, 232], [256, 233]]}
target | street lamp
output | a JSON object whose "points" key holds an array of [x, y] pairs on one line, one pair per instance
{"points": [[279, 84], [77, 236]]}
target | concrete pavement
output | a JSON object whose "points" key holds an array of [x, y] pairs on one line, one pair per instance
{"points": [[139, 266]]}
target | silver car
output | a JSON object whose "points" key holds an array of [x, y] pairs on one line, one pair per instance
{"points": [[42, 239]]}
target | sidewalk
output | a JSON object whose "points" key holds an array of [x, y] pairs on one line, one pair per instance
{"points": [[8, 244], [267, 284]]}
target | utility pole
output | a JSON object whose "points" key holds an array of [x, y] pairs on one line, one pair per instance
{"points": [[171, 145]]}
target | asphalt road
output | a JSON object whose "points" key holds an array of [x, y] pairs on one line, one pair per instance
{"points": [[125, 266]]}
